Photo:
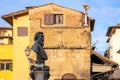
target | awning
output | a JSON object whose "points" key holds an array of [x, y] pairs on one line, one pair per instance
{"points": [[101, 63], [104, 59], [101, 66]]}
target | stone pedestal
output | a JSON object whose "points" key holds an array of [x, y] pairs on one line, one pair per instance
{"points": [[39, 72]]}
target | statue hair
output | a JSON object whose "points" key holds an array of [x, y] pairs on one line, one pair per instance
{"points": [[37, 35]]}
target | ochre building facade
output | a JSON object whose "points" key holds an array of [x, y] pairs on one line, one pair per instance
{"points": [[67, 42]]}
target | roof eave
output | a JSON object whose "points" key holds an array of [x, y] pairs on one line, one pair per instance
{"points": [[9, 17], [108, 40], [15, 13], [111, 30], [8, 20], [104, 59], [6, 28]]}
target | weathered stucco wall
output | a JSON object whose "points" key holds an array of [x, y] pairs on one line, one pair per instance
{"points": [[63, 61], [67, 45]]}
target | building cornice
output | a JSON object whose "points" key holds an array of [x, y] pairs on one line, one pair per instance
{"points": [[111, 30]]}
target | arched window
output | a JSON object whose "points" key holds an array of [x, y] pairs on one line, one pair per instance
{"points": [[69, 76]]}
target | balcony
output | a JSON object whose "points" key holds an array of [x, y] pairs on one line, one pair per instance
{"points": [[6, 40]]}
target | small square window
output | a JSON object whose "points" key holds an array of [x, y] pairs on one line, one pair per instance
{"points": [[22, 31]]}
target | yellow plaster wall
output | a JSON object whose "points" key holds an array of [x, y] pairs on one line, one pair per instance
{"points": [[6, 75], [6, 53], [20, 62]]}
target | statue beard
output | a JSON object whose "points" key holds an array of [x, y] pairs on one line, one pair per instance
{"points": [[41, 42]]}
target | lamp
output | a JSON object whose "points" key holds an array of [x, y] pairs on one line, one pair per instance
{"points": [[86, 7], [27, 51]]}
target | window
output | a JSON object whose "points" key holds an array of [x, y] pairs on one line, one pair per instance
{"points": [[3, 33], [5, 65], [59, 18], [69, 76], [22, 31], [8, 66], [2, 66], [1, 41], [51, 19]]}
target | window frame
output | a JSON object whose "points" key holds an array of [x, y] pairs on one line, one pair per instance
{"points": [[53, 18], [22, 31], [57, 18], [6, 65]]}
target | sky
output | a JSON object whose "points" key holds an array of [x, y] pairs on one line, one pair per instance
{"points": [[105, 12]]}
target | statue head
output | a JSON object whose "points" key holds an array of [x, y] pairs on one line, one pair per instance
{"points": [[39, 37]]}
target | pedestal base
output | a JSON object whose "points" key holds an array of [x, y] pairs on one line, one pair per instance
{"points": [[39, 72]]}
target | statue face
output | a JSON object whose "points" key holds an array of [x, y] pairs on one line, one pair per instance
{"points": [[41, 38]]}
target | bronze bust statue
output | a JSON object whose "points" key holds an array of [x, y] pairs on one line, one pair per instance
{"points": [[39, 71], [38, 48]]}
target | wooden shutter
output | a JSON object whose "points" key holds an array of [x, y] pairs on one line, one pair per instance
{"points": [[22, 31], [49, 19]]}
